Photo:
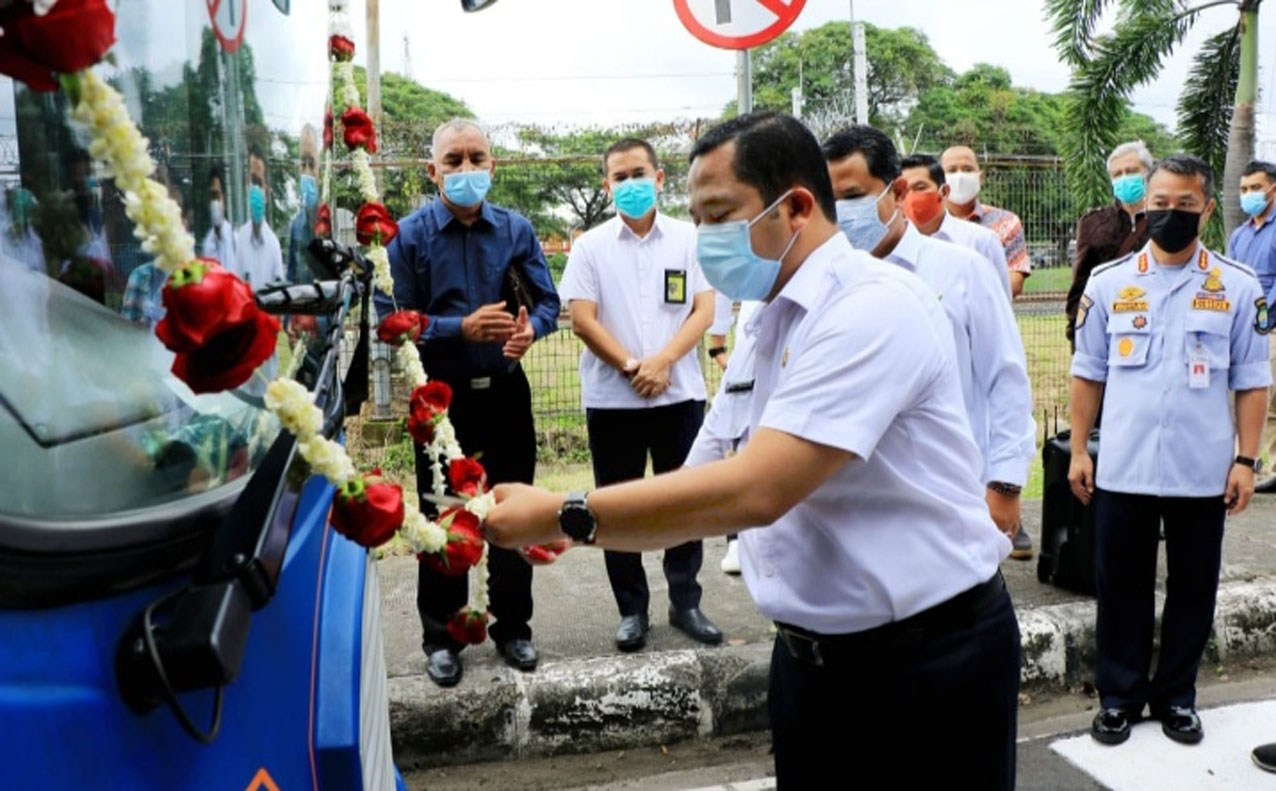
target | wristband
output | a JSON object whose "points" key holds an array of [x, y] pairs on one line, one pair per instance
{"points": [[714, 351], [1008, 489]]}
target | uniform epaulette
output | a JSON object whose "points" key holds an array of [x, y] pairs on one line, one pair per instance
{"points": [[1111, 264], [1237, 264]]}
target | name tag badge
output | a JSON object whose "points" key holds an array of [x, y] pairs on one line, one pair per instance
{"points": [[675, 286], [1198, 368]]}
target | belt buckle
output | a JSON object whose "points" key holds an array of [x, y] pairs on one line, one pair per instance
{"points": [[812, 653], [482, 383]]}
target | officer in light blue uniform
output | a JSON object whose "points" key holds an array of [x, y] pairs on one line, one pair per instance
{"points": [[1162, 336]]}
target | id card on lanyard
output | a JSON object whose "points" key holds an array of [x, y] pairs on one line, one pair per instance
{"points": [[1198, 366]]}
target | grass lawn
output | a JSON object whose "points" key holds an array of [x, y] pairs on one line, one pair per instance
{"points": [[1053, 279]]}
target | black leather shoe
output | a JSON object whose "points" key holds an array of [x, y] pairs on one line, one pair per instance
{"points": [[1182, 725], [520, 655], [1264, 756], [1111, 726], [695, 625], [632, 632], [443, 667]]}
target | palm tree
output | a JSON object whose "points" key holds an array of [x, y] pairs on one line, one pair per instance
{"points": [[1215, 109]]}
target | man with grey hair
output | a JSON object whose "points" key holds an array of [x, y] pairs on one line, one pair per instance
{"points": [[477, 272], [1115, 230]]}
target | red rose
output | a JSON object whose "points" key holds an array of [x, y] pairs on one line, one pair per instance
{"points": [[438, 395], [327, 128], [464, 544], [401, 327], [374, 224], [341, 48], [468, 627], [359, 132], [323, 221], [368, 510], [71, 37], [468, 477], [213, 323], [421, 422]]}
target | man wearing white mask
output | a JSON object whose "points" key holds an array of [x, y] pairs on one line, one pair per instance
{"points": [[965, 179], [640, 303], [219, 242], [867, 182]]}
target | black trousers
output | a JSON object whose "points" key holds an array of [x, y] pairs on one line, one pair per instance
{"points": [[927, 707], [496, 422], [1127, 528], [619, 441]]}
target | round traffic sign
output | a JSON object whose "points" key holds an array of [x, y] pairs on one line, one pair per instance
{"points": [[737, 24]]}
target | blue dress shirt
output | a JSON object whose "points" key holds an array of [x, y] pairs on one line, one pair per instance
{"points": [[1255, 247], [447, 270]]}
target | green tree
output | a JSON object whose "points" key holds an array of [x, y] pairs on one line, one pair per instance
{"points": [[901, 67], [1216, 107]]}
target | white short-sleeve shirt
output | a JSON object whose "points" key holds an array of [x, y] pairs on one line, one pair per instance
{"points": [[978, 238], [857, 354], [258, 261], [644, 288]]}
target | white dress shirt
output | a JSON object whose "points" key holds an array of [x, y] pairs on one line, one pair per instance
{"points": [[990, 356], [723, 315], [726, 426], [978, 238], [257, 261], [627, 275], [221, 249], [856, 354]]}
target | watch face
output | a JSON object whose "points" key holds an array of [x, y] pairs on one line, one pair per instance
{"points": [[576, 522]]}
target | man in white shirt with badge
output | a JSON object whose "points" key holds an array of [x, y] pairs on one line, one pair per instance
{"points": [[219, 242], [879, 561], [640, 303], [865, 171]]}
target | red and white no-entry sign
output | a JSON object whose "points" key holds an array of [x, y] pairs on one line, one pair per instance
{"points": [[737, 24]]}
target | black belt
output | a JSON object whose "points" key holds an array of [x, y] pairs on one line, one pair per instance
{"points": [[820, 649], [470, 382]]}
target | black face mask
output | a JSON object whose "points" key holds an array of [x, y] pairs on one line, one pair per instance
{"points": [[1173, 229]]}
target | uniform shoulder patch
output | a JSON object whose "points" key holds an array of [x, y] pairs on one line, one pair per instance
{"points": [[1083, 310], [1111, 265], [1235, 264], [1262, 325]]}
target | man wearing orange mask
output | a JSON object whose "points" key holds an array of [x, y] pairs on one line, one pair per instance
{"points": [[925, 206]]}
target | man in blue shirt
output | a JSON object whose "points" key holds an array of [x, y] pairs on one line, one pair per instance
{"points": [[456, 260], [1165, 337], [1253, 243]]}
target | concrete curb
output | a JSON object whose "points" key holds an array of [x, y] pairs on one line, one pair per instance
{"points": [[633, 700]]}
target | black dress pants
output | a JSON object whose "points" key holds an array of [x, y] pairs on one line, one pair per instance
{"points": [[619, 442], [497, 422], [926, 705], [1127, 527]]}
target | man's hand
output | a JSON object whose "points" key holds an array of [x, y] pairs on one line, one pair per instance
{"points": [[488, 324], [1240, 487], [523, 516], [1081, 477], [722, 360], [521, 340], [1005, 511], [652, 377], [545, 554]]}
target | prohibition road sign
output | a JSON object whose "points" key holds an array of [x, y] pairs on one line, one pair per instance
{"points": [[737, 24]]}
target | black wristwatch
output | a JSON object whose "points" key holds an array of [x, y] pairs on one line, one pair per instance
{"points": [[1007, 489], [576, 520], [1246, 461]]}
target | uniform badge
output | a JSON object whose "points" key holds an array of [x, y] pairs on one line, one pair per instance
{"points": [[1131, 292], [1211, 302], [676, 286], [1213, 281], [1126, 347], [1261, 326], [1143, 264], [1139, 322], [1083, 310], [1130, 306], [1203, 261]]}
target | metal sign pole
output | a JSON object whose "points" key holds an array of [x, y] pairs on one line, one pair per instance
{"points": [[744, 81]]}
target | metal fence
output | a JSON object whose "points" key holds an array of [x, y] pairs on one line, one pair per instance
{"points": [[562, 196]]}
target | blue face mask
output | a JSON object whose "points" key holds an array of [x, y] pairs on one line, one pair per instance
{"points": [[257, 203], [634, 197], [726, 255], [1129, 188], [468, 187], [857, 217], [309, 192], [1253, 203]]}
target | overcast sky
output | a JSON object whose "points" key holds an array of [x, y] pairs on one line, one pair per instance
{"points": [[606, 61]]}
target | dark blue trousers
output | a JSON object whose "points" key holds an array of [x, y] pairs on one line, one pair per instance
{"points": [[1127, 527], [619, 442]]}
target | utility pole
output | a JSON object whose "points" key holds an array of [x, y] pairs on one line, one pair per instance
{"points": [[861, 68], [744, 81], [797, 94], [380, 352]]}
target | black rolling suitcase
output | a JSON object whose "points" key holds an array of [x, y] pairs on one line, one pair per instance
{"points": [[1066, 554]]}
